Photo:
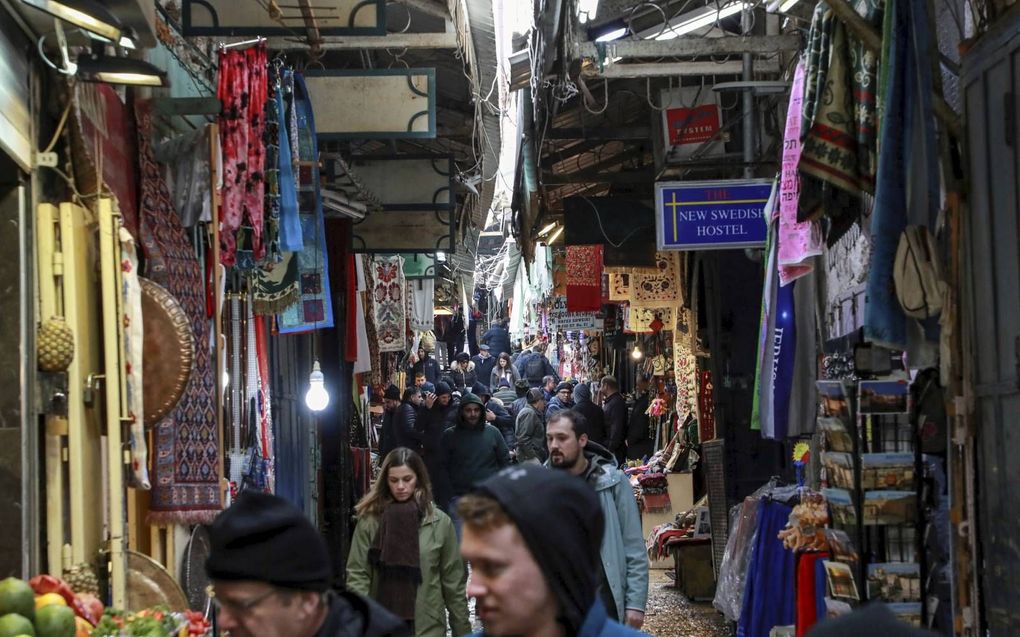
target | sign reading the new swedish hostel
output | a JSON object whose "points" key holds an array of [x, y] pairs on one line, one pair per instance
{"points": [[711, 215]]}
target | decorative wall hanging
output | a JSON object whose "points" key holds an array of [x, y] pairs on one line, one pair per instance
{"points": [[187, 455], [315, 308], [421, 304], [388, 303], [659, 289], [134, 343], [374, 104], [584, 278], [332, 17], [619, 287], [638, 320]]}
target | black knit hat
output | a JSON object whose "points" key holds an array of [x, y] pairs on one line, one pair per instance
{"points": [[564, 385], [442, 387], [481, 389], [566, 546], [265, 538], [392, 393]]}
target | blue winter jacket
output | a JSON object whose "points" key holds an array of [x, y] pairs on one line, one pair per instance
{"points": [[597, 624]]}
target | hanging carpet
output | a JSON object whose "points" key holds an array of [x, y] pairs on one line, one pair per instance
{"points": [[388, 303], [661, 288], [639, 320], [584, 278], [619, 286], [187, 484]]}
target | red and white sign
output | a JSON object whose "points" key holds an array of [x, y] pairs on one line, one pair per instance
{"points": [[692, 125]]}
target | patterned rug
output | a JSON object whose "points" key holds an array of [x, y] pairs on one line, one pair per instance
{"points": [[187, 464], [315, 308], [388, 291], [638, 320], [584, 278], [661, 289]]}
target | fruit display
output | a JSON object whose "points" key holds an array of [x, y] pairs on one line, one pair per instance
{"points": [[47, 606]]}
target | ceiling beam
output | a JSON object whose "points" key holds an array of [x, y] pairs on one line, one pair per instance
{"points": [[557, 155], [603, 134], [646, 176], [673, 69], [690, 46], [446, 40], [428, 7]]}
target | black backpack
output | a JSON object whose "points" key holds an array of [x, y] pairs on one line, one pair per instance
{"points": [[534, 369]]}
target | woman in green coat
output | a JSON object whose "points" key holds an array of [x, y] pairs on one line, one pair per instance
{"points": [[404, 553]]}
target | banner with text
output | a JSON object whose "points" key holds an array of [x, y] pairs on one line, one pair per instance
{"points": [[711, 215], [561, 319]]}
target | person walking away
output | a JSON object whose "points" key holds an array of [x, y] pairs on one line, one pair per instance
{"points": [[388, 436], [614, 408], [463, 373], [484, 363], [503, 369], [561, 399], [270, 577], [497, 415], [592, 413], [438, 419], [624, 560], [521, 388], [505, 395], [530, 428], [536, 366], [497, 337], [472, 449], [407, 433], [534, 574], [426, 366], [640, 443], [404, 553]]}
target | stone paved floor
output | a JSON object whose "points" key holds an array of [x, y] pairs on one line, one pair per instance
{"points": [[671, 614]]}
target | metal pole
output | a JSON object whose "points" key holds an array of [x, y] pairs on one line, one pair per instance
{"points": [[746, 21]]}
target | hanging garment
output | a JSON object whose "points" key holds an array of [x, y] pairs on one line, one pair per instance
{"points": [[266, 439], [187, 486], [387, 298], [770, 576], [807, 590], [423, 292], [315, 308], [134, 343], [188, 158], [290, 221], [798, 240], [761, 408], [838, 156], [242, 88], [584, 278], [908, 178], [365, 355], [803, 395]]}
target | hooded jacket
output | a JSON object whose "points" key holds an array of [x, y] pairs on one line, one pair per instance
{"points": [[442, 574], [353, 615], [592, 413], [463, 375], [472, 454], [405, 427], [623, 546]]}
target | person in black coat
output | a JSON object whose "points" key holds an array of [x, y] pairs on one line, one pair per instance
{"points": [[405, 427], [614, 410], [484, 362], [463, 373], [388, 436], [639, 442], [497, 416], [426, 366], [440, 416], [592, 413], [497, 338]]}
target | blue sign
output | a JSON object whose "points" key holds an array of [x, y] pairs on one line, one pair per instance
{"points": [[711, 215]]}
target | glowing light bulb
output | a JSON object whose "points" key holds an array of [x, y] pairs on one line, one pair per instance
{"points": [[317, 397], [636, 353]]}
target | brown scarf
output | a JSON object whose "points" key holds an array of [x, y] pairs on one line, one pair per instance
{"points": [[396, 557]]}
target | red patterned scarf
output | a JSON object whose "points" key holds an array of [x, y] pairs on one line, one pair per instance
{"points": [[584, 278]]}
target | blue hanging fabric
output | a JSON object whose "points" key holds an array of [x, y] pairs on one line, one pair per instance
{"points": [[290, 222], [769, 599], [784, 344]]}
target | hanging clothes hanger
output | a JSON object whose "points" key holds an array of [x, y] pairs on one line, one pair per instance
{"points": [[222, 46]]}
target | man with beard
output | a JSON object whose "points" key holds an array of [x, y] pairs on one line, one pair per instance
{"points": [[472, 450], [624, 587], [436, 420], [270, 573], [560, 400], [534, 574], [406, 425], [388, 436]]}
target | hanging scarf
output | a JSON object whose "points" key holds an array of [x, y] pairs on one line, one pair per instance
{"points": [[584, 278], [396, 556], [242, 89]]}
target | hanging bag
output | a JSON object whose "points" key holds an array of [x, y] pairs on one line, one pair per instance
{"points": [[917, 274]]}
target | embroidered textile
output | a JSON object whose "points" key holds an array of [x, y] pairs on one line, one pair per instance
{"points": [[638, 320], [242, 88], [388, 302], [584, 278], [685, 369], [187, 486], [619, 286], [706, 406], [421, 294], [661, 289], [798, 241], [314, 310], [134, 343]]}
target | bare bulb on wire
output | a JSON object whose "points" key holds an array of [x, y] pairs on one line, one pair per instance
{"points": [[317, 397], [636, 352]]}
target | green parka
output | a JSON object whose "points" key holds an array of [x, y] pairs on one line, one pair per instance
{"points": [[442, 574]]}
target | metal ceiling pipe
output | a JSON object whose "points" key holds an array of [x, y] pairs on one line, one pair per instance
{"points": [[746, 23]]}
